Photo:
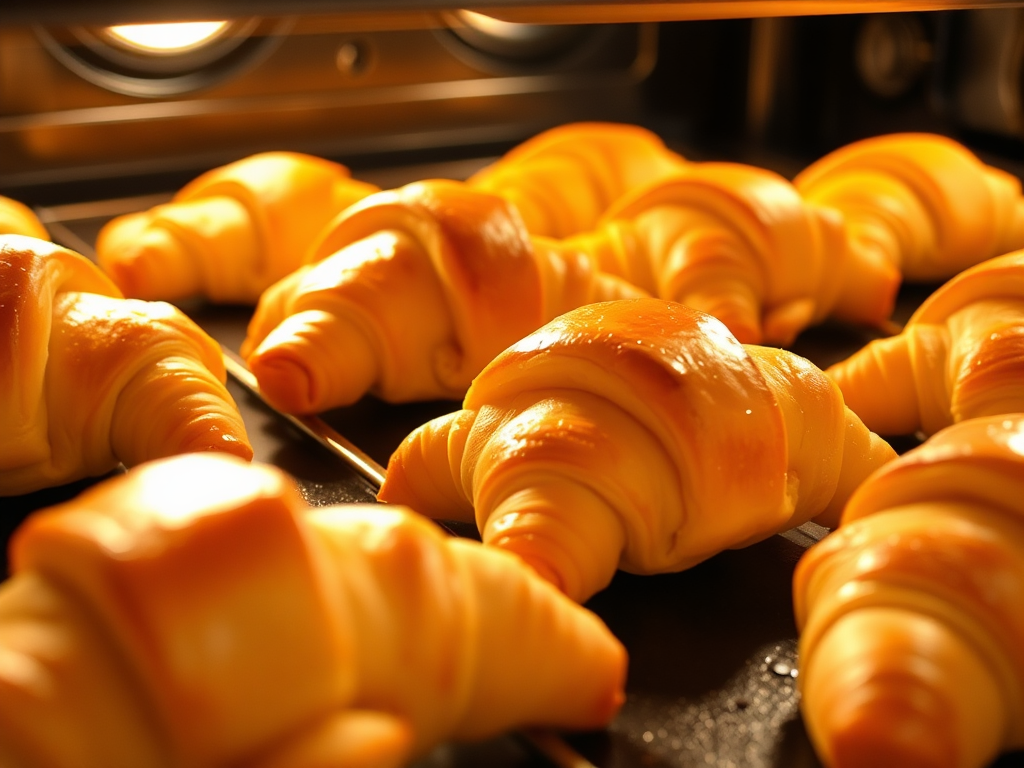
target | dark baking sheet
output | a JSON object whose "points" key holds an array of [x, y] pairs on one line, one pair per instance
{"points": [[713, 667]]}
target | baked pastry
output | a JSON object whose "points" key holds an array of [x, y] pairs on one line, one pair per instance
{"points": [[564, 179], [18, 219], [919, 201], [960, 355], [89, 379], [640, 435], [412, 291], [912, 640], [739, 243], [231, 232], [196, 612]]}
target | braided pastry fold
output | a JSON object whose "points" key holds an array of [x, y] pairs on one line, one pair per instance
{"points": [[960, 355], [195, 612], [89, 379], [231, 232], [921, 202], [564, 179], [635, 434], [412, 291], [912, 634]]}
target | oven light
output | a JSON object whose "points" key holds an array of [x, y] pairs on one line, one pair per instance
{"points": [[167, 38], [494, 27], [511, 40]]}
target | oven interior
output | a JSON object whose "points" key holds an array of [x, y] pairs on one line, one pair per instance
{"points": [[93, 125]]}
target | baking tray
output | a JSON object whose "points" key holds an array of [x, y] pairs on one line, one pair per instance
{"points": [[713, 663]]}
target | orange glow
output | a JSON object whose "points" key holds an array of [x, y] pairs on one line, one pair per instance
{"points": [[168, 38]]}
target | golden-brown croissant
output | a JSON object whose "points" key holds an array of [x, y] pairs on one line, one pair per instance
{"points": [[912, 644], [195, 612], [739, 243], [960, 355], [231, 232], [636, 434], [921, 202], [89, 379], [18, 219], [418, 288], [564, 179]]}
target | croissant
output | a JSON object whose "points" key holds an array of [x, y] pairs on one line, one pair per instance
{"points": [[412, 291], [922, 202], [911, 631], [89, 379], [961, 355], [195, 612], [18, 219], [563, 179], [739, 243], [636, 434], [231, 232]]}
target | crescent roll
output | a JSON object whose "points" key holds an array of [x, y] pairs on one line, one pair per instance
{"points": [[921, 202], [411, 293], [18, 219], [564, 179], [741, 244], [89, 379], [636, 434], [231, 232], [195, 612], [912, 633], [960, 355]]}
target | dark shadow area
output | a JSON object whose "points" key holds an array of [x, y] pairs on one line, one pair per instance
{"points": [[379, 428], [688, 633]]}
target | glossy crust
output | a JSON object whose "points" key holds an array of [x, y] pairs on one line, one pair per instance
{"points": [[18, 219], [196, 612], [231, 232], [412, 292], [636, 434], [912, 644], [961, 355], [741, 244], [564, 179], [89, 379], [923, 203]]}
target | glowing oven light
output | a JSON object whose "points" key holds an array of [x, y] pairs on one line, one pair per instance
{"points": [[494, 27], [167, 38]]}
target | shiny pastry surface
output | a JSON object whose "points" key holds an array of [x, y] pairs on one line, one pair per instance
{"points": [[637, 434], [919, 201], [410, 294], [89, 379], [740, 243], [564, 179], [18, 219], [196, 612], [912, 638], [961, 355], [231, 232]]}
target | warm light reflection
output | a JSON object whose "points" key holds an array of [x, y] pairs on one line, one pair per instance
{"points": [[168, 38], [494, 27]]}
